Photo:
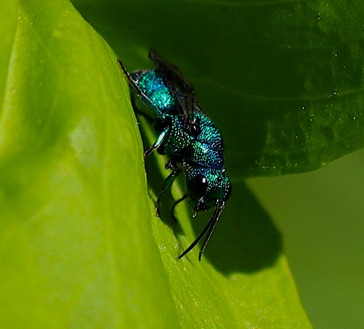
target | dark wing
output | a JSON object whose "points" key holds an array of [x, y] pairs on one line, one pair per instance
{"points": [[180, 89]]}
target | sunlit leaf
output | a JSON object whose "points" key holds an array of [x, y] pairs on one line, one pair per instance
{"points": [[80, 245]]}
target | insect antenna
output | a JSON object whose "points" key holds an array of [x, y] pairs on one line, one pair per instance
{"points": [[207, 231]]}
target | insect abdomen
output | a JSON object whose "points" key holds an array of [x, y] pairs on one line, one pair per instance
{"points": [[155, 92]]}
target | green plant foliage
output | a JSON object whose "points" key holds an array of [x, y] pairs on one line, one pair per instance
{"points": [[76, 244], [283, 80], [80, 246]]}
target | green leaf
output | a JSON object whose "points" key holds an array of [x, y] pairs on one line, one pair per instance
{"points": [[80, 246], [282, 80], [76, 244]]}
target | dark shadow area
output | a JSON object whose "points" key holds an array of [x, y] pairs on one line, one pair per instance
{"points": [[245, 239], [276, 84]]}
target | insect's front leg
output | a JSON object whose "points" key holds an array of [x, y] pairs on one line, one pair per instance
{"points": [[161, 138], [167, 183]]}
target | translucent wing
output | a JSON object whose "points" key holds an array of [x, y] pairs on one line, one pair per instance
{"points": [[180, 89]]}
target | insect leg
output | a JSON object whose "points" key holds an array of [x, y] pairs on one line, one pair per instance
{"points": [[161, 138], [174, 206], [171, 164]]}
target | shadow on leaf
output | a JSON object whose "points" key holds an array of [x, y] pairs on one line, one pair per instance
{"points": [[245, 239]]}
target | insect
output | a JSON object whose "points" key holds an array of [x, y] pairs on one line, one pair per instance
{"points": [[188, 138]]}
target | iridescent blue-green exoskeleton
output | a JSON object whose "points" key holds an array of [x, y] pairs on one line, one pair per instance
{"points": [[188, 137]]}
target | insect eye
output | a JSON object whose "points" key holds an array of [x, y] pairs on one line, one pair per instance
{"points": [[197, 187]]}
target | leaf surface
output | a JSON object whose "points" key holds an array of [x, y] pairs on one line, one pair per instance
{"points": [[76, 244], [282, 80], [80, 246]]}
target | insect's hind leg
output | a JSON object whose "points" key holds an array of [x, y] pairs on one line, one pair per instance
{"points": [[175, 205], [167, 183]]}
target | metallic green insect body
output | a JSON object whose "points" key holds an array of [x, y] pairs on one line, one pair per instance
{"points": [[188, 137]]}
